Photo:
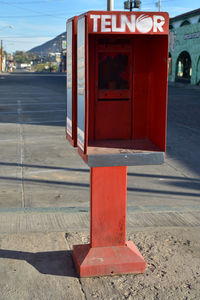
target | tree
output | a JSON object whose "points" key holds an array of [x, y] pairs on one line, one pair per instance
{"points": [[30, 56], [22, 57]]}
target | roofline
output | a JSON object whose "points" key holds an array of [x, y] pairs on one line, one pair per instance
{"points": [[187, 14]]}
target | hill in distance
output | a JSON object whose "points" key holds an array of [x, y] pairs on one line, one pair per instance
{"points": [[51, 46]]}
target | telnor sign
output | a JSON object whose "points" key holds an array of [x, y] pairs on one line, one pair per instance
{"points": [[139, 23]]}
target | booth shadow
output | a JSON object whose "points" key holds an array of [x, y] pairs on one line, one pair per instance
{"points": [[57, 263]]}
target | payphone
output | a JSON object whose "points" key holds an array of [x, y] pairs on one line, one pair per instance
{"points": [[121, 121], [122, 88]]}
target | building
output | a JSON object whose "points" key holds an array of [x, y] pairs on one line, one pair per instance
{"points": [[184, 47], [63, 54]]}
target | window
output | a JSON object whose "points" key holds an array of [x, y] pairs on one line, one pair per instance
{"points": [[184, 23], [113, 71]]}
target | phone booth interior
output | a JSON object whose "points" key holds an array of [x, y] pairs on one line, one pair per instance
{"points": [[127, 95], [121, 121], [112, 89]]}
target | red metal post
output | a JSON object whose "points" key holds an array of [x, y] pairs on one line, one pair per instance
{"points": [[108, 252], [108, 206]]}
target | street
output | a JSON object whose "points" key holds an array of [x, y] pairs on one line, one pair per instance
{"points": [[45, 194], [40, 170]]}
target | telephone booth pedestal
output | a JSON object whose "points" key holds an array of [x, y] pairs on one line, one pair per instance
{"points": [[121, 121], [108, 252]]}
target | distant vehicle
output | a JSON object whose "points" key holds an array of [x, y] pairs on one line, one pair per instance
{"points": [[25, 66]]}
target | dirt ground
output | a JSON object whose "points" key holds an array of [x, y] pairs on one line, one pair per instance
{"points": [[173, 268], [39, 266]]}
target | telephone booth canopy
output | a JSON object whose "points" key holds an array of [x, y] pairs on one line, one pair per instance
{"points": [[122, 87]]}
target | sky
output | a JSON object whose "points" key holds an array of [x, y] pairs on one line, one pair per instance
{"points": [[25, 24]]}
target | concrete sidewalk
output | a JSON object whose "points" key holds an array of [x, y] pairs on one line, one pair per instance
{"points": [[73, 220]]}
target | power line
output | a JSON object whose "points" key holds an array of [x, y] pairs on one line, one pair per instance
{"points": [[25, 36], [154, 3], [36, 16], [29, 42], [31, 10], [26, 9], [30, 2]]}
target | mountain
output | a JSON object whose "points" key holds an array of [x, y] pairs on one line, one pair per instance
{"points": [[51, 46]]}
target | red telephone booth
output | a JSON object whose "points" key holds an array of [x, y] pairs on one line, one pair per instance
{"points": [[122, 87], [71, 118], [121, 121]]}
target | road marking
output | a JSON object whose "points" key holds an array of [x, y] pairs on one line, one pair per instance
{"points": [[37, 75], [30, 139], [10, 140], [20, 151], [43, 122], [30, 111], [30, 104], [35, 122], [38, 172]]}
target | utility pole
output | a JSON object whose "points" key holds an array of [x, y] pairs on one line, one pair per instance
{"points": [[110, 5], [1, 62], [159, 5], [61, 54], [131, 5]]}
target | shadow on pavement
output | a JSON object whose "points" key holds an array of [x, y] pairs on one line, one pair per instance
{"points": [[129, 189], [163, 176], [58, 263], [7, 164], [30, 180], [143, 175]]}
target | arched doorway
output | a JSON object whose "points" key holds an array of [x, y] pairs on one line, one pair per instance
{"points": [[169, 64], [198, 71], [184, 23], [184, 67]]}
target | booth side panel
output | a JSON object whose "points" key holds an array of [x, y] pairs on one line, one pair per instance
{"points": [[69, 81], [86, 84], [158, 91], [81, 83], [140, 87], [74, 80]]}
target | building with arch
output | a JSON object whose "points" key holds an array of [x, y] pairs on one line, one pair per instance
{"points": [[184, 48]]}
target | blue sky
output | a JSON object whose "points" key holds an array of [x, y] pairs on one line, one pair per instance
{"points": [[28, 23]]}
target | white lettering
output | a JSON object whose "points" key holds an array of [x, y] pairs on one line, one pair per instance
{"points": [[144, 23], [114, 25], [95, 21], [105, 23], [125, 22], [159, 21]]}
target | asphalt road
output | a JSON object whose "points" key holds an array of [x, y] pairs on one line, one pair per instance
{"points": [[41, 172]]}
